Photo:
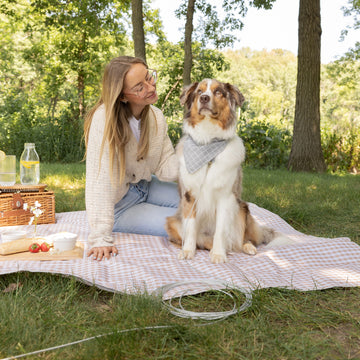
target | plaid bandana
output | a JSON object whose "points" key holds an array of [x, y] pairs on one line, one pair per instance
{"points": [[196, 156]]}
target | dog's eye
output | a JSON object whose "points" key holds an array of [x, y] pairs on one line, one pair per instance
{"points": [[218, 93], [199, 92]]}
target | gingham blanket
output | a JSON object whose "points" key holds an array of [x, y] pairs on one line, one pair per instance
{"points": [[147, 263]]}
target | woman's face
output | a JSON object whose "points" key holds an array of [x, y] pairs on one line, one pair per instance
{"points": [[139, 88]]}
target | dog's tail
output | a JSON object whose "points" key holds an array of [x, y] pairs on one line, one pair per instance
{"points": [[258, 234], [278, 240]]}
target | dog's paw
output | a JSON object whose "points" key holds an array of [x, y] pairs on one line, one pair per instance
{"points": [[217, 258], [249, 248], [186, 255]]}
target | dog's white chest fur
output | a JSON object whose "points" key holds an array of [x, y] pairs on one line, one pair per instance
{"points": [[215, 180]]}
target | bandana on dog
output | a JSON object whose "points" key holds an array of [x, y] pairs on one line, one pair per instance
{"points": [[196, 156]]}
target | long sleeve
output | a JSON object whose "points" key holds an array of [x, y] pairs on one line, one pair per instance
{"points": [[101, 193]]}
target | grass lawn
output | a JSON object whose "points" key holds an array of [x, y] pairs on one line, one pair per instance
{"points": [[47, 310]]}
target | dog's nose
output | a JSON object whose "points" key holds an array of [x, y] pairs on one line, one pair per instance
{"points": [[204, 98]]}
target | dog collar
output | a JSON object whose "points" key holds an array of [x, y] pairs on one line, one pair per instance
{"points": [[197, 155]]}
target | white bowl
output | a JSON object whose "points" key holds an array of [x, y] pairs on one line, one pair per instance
{"points": [[11, 235], [64, 241]]}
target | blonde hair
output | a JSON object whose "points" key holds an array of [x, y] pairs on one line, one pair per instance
{"points": [[117, 131]]}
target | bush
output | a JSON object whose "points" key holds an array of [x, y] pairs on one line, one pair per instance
{"points": [[62, 139], [57, 139], [267, 146], [17, 122], [341, 151], [174, 130]]}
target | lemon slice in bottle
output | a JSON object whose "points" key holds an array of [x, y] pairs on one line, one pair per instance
{"points": [[2, 155], [28, 164]]}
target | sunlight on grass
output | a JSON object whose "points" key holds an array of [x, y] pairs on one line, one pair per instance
{"points": [[68, 183], [317, 204], [65, 182]]}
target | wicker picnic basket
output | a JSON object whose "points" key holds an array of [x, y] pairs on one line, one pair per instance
{"points": [[12, 199]]}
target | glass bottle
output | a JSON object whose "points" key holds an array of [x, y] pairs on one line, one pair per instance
{"points": [[29, 165]]}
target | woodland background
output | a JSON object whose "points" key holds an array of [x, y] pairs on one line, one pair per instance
{"points": [[52, 54]]}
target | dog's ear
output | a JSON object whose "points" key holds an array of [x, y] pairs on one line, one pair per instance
{"points": [[187, 96], [236, 96]]}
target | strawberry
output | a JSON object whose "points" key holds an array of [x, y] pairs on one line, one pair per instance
{"points": [[34, 248], [45, 247]]}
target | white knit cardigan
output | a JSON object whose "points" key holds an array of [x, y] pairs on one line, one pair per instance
{"points": [[100, 193]]}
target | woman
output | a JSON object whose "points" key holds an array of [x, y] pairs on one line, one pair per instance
{"points": [[126, 144]]}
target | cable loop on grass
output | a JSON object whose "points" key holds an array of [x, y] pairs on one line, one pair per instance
{"points": [[209, 316], [181, 312]]}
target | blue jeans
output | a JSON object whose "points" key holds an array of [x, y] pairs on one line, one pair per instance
{"points": [[145, 207]]}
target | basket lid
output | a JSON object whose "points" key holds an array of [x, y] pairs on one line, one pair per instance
{"points": [[22, 188]]}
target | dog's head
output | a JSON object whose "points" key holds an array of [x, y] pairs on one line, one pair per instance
{"points": [[212, 100]]}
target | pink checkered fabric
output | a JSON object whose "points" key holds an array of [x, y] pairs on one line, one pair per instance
{"points": [[147, 263]]}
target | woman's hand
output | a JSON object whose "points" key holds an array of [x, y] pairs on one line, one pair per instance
{"points": [[102, 252]]}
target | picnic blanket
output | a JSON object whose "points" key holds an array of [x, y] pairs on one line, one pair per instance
{"points": [[146, 264]]}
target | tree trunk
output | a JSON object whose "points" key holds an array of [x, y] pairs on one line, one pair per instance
{"points": [[81, 75], [81, 95], [188, 42], [306, 153], [138, 28]]}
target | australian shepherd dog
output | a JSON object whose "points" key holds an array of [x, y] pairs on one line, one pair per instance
{"points": [[211, 214]]}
